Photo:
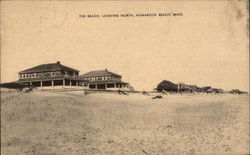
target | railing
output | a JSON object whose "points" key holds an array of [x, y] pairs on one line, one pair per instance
{"points": [[115, 80]]}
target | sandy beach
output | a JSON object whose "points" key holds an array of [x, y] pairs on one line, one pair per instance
{"points": [[71, 123]]}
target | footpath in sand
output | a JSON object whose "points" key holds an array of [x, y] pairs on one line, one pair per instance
{"points": [[70, 123]]}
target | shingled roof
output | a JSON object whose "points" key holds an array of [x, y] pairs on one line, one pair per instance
{"points": [[99, 73], [167, 86], [49, 67]]}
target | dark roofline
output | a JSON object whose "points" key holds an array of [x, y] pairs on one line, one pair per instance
{"points": [[44, 70], [84, 75]]}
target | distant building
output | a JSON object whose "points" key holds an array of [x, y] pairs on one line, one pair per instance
{"points": [[103, 79], [53, 75], [166, 85]]}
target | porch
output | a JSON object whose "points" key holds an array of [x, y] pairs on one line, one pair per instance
{"points": [[107, 86], [53, 83]]}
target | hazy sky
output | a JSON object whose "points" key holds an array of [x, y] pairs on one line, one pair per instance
{"points": [[206, 46]]}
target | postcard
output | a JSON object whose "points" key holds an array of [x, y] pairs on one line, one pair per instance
{"points": [[125, 77]]}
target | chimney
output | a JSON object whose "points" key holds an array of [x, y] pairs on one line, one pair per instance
{"points": [[58, 62], [106, 69]]}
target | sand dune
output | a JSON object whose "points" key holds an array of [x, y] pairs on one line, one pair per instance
{"points": [[51, 123]]}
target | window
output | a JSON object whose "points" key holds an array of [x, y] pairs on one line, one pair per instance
{"points": [[91, 86], [110, 85]]}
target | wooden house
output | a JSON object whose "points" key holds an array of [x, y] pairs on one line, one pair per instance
{"points": [[53, 75], [103, 79]]}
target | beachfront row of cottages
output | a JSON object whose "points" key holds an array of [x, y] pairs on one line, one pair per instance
{"points": [[56, 75]]}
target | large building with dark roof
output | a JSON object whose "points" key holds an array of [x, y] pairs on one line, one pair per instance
{"points": [[56, 75], [53, 75], [103, 79]]}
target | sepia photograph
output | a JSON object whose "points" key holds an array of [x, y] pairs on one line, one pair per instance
{"points": [[113, 77]]}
